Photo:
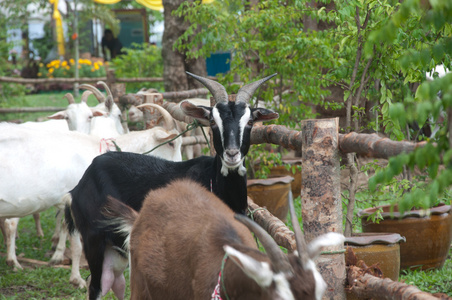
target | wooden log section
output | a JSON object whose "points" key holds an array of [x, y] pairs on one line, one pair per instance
{"points": [[29, 109], [371, 145], [137, 99], [321, 197], [51, 80], [366, 286], [282, 235], [193, 140]]}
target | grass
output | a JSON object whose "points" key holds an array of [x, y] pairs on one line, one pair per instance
{"points": [[39, 100], [38, 282], [432, 281]]}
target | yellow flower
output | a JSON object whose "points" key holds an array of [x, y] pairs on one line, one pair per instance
{"points": [[68, 68], [96, 66], [72, 61], [41, 65], [48, 65], [51, 70], [64, 63], [39, 74], [100, 63]]}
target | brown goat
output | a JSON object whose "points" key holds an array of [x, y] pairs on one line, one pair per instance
{"points": [[178, 243]]}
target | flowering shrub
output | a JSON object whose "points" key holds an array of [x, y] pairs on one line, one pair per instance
{"points": [[66, 69]]}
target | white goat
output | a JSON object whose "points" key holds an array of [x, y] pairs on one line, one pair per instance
{"points": [[103, 121], [77, 116], [38, 168], [190, 151], [109, 126]]}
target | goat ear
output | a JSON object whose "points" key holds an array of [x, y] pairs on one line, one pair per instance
{"points": [[58, 116], [200, 113], [263, 114], [325, 240], [162, 136], [259, 271], [98, 113]]}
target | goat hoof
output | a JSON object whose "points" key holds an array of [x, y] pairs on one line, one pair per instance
{"points": [[78, 282], [15, 264], [56, 258]]}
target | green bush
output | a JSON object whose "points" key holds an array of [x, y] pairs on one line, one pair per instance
{"points": [[144, 60]]}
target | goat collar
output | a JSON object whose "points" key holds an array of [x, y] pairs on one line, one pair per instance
{"points": [[216, 295]]}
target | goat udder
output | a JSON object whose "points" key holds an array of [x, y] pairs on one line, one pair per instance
{"points": [[112, 273]]}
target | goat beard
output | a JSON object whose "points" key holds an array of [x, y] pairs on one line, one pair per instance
{"points": [[225, 169]]}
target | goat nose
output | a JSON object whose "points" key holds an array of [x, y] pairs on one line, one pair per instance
{"points": [[231, 153]]}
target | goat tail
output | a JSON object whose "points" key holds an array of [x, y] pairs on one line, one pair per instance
{"points": [[68, 219], [121, 216]]}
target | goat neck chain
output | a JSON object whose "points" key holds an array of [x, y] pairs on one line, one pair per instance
{"points": [[216, 292]]}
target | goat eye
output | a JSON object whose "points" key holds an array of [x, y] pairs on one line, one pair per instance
{"points": [[212, 122], [250, 122]]}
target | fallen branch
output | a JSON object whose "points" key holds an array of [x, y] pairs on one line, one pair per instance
{"points": [[38, 262], [367, 283], [366, 286], [282, 235]]}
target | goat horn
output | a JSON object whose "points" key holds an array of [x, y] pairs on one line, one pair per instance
{"points": [[85, 96], [279, 260], [246, 92], [109, 103], [107, 89], [299, 237], [218, 91], [99, 96], [167, 118], [70, 98]]}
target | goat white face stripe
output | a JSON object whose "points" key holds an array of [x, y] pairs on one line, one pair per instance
{"points": [[243, 121], [320, 284], [283, 287], [219, 122]]}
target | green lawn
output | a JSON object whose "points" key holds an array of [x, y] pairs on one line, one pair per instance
{"points": [[38, 282], [39, 100]]}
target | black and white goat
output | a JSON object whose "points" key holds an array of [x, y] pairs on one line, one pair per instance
{"points": [[185, 244], [129, 177]]}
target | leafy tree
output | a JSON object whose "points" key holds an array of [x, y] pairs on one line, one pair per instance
{"points": [[421, 32], [376, 51]]}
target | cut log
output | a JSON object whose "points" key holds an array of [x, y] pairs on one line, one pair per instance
{"points": [[366, 286], [283, 236]]}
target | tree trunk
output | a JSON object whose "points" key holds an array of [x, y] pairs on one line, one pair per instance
{"points": [[174, 62], [321, 198]]}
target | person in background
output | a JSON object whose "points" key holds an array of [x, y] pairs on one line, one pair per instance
{"points": [[112, 44]]}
